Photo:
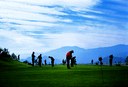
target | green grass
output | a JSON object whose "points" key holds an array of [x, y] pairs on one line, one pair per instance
{"points": [[17, 74]]}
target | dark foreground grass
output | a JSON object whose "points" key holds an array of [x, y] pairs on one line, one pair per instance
{"points": [[60, 76]]}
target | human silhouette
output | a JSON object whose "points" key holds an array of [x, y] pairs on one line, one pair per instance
{"points": [[126, 60], [92, 61], [52, 60], [63, 62], [33, 58], [110, 59], [40, 59], [45, 62], [18, 57], [97, 63], [73, 61], [68, 58], [100, 59]]}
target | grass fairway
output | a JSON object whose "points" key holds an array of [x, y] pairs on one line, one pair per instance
{"points": [[16, 74]]}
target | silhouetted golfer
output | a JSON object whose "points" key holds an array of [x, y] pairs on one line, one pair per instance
{"points": [[52, 60], [68, 58], [110, 59], [18, 57], [92, 61], [33, 58], [40, 59], [45, 62], [73, 61], [100, 59], [63, 62]]}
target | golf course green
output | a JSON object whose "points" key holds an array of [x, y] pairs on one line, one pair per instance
{"points": [[17, 74]]}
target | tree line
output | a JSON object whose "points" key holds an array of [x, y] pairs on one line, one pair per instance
{"points": [[6, 56]]}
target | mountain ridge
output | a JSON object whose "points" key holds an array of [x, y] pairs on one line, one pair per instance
{"points": [[86, 55]]}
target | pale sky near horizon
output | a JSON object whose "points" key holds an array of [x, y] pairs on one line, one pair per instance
{"points": [[43, 25]]}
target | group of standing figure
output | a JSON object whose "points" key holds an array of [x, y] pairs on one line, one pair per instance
{"points": [[68, 59], [39, 58], [101, 63]]}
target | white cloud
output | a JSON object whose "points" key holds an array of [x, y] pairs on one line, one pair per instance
{"points": [[67, 20], [35, 10], [64, 3], [21, 25], [5, 13], [30, 13], [19, 43], [88, 39], [37, 5], [88, 16], [29, 8], [29, 23]]}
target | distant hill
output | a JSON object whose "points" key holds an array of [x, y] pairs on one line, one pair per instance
{"points": [[86, 55]]}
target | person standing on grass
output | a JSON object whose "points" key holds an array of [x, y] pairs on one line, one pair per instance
{"points": [[45, 62], [100, 59], [68, 58], [40, 59], [92, 61], [110, 59], [33, 58], [19, 57], [52, 60], [63, 62], [73, 61]]}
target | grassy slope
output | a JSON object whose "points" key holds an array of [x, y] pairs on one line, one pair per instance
{"points": [[15, 74]]}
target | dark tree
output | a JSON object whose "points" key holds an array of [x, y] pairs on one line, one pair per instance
{"points": [[14, 57], [1, 50], [4, 54]]}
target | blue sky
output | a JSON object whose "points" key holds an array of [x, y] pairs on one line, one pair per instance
{"points": [[43, 25]]}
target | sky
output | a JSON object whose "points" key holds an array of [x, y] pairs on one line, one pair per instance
{"points": [[44, 25]]}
